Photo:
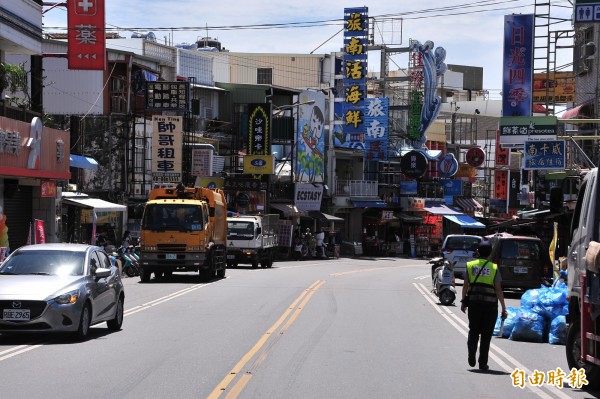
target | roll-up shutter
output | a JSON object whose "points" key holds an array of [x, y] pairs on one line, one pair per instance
{"points": [[17, 208]]}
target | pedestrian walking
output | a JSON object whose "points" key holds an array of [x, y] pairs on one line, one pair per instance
{"points": [[482, 289]]}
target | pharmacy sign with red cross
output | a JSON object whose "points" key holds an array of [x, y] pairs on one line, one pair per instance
{"points": [[87, 42]]}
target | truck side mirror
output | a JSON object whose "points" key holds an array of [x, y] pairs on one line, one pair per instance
{"points": [[556, 200]]}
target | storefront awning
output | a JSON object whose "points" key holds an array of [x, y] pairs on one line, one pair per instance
{"points": [[465, 221], [571, 113], [288, 210], [370, 203], [95, 203], [469, 204], [440, 209], [406, 218], [81, 162], [324, 217]]}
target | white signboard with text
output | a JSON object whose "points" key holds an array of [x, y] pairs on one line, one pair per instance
{"points": [[307, 197]]}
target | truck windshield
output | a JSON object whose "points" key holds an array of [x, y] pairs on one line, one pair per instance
{"points": [[163, 217], [240, 229]]}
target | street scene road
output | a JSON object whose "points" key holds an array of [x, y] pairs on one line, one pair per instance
{"points": [[341, 328]]}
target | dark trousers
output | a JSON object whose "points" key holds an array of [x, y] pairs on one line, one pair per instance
{"points": [[482, 320]]}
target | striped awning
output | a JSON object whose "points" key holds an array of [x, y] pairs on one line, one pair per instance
{"points": [[469, 204]]}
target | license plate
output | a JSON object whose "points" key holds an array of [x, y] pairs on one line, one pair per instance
{"points": [[16, 314], [520, 270], [171, 256], [230, 256]]}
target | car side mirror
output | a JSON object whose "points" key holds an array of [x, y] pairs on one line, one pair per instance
{"points": [[102, 272]]}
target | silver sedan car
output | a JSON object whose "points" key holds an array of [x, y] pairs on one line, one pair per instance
{"points": [[59, 288]]}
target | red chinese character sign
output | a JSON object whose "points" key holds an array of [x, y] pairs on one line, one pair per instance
{"points": [[87, 43], [475, 157]]}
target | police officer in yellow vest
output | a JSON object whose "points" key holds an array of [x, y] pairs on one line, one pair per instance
{"points": [[484, 288]]}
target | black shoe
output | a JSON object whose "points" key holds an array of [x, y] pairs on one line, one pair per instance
{"points": [[472, 360], [484, 367]]}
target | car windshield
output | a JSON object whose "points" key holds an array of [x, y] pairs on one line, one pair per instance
{"points": [[172, 217], [521, 250], [50, 263], [239, 229], [463, 243]]}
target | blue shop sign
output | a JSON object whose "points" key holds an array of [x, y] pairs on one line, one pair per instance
{"points": [[544, 155]]}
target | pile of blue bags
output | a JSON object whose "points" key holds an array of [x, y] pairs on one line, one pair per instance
{"points": [[541, 317]]}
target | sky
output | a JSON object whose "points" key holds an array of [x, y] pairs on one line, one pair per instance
{"points": [[470, 32]]}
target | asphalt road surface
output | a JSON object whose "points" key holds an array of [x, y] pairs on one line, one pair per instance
{"points": [[343, 328]]}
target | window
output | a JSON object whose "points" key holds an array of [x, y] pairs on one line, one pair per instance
{"points": [[264, 76]]}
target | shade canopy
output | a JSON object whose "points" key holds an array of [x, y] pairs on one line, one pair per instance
{"points": [[465, 221], [81, 162], [440, 209]]}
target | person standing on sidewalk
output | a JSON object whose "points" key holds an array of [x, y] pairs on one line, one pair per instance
{"points": [[483, 286]]}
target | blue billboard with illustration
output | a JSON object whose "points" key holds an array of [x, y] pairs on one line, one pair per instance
{"points": [[310, 142]]}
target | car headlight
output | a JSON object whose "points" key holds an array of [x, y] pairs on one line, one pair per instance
{"points": [[248, 251], [69, 297]]}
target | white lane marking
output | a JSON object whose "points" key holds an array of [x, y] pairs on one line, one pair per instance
{"points": [[18, 350], [513, 363], [423, 277]]}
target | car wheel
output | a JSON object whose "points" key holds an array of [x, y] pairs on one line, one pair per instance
{"points": [[116, 323], [144, 276], [205, 275], [84, 323]]}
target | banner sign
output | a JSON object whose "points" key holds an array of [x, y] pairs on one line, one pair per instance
{"points": [[202, 162], [558, 88], [452, 187], [259, 165], [259, 129], [517, 80], [40, 233], [48, 188], [307, 197], [514, 131], [168, 96], [166, 148], [376, 123], [413, 164], [356, 29], [209, 182], [542, 155], [502, 154], [86, 34], [310, 151], [243, 184], [501, 184]]}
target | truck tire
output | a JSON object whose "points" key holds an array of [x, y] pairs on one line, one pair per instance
{"points": [[254, 264], [573, 349], [205, 275], [221, 273]]}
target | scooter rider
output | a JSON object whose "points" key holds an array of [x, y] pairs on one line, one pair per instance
{"points": [[486, 290]]}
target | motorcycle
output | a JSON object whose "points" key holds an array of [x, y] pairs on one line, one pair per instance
{"points": [[130, 265], [442, 280]]}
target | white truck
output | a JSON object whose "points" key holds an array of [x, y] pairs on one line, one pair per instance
{"points": [[583, 275], [252, 239]]}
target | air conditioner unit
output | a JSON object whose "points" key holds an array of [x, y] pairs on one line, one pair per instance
{"points": [[208, 113]]}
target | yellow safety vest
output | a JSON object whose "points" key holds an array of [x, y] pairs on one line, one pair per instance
{"points": [[483, 290]]}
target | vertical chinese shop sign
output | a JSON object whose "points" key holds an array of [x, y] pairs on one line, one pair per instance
{"points": [[87, 43], [517, 80], [259, 129], [501, 184], [166, 148], [355, 72], [376, 124]]}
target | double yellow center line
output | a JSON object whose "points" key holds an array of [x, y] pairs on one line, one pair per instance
{"points": [[296, 307]]}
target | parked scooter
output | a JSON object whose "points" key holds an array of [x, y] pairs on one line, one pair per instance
{"points": [[130, 265], [442, 280]]}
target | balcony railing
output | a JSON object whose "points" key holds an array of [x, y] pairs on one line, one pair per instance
{"points": [[356, 188]]}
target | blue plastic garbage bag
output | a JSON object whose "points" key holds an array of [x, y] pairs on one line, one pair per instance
{"points": [[558, 331], [529, 326], [530, 298], [551, 302], [509, 323]]}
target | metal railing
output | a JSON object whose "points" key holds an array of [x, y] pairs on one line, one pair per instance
{"points": [[356, 188]]}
